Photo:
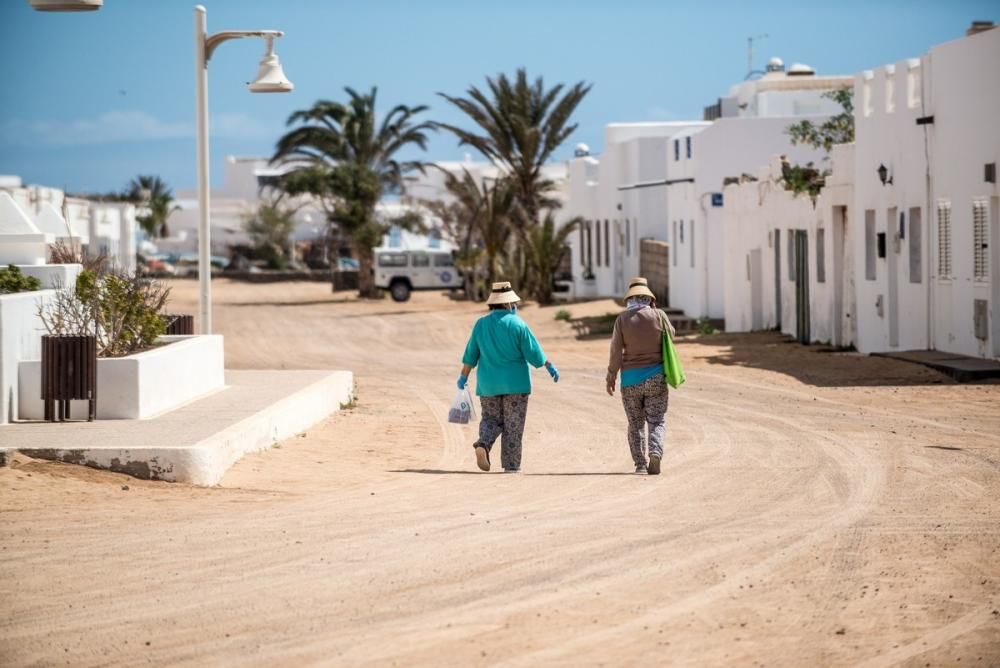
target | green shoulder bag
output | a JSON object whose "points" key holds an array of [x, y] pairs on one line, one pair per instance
{"points": [[672, 368]]}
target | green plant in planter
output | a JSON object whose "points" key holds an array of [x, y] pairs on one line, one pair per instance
{"points": [[563, 314], [122, 309], [12, 280]]}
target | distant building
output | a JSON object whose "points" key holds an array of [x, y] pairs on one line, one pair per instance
{"points": [[664, 181], [901, 249]]}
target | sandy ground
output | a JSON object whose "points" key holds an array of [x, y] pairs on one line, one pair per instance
{"points": [[814, 509]]}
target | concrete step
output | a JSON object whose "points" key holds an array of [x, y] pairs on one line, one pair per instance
{"points": [[198, 442]]}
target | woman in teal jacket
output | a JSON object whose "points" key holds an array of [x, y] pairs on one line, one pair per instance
{"points": [[502, 346]]}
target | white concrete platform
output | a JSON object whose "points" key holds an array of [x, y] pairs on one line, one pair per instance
{"points": [[198, 442]]}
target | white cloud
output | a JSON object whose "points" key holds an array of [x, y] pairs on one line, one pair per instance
{"points": [[126, 126]]}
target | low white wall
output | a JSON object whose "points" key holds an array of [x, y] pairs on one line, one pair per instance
{"points": [[142, 385], [53, 276], [20, 338]]}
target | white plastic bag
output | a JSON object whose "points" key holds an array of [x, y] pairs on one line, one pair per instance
{"points": [[462, 410]]}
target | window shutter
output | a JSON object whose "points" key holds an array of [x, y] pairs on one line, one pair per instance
{"points": [[944, 238], [980, 241]]}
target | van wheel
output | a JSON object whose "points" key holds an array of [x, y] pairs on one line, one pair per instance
{"points": [[400, 291]]}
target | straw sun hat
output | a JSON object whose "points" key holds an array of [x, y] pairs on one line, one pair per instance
{"points": [[502, 293], [639, 287]]}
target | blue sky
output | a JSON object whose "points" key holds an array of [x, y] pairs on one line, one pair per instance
{"points": [[91, 100]]}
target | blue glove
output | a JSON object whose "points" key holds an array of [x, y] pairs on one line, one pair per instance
{"points": [[462, 380], [554, 372]]}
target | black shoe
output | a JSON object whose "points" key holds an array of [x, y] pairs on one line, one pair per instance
{"points": [[482, 458], [654, 465]]}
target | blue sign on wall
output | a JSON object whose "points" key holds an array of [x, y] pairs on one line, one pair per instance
{"points": [[716, 199]]}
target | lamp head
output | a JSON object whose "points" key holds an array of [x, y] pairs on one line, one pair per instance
{"points": [[270, 77], [882, 173], [65, 5]]}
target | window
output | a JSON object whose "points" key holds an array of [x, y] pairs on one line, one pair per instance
{"points": [[791, 255], [980, 241], [597, 226], [590, 246], [607, 244], [870, 244], [628, 237], [944, 238], [392, 260], [583, 243], [691, 242], [687, 146], [682, 231], [673, 243], [441, 260], [821, 255], [677, 150], [916, 259], [420, 260]]}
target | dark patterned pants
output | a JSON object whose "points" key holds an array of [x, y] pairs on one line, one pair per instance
{"points": [[646, 405], [504, 414]]}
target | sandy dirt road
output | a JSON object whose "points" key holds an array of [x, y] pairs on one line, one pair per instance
{"points": [[814, 509]]}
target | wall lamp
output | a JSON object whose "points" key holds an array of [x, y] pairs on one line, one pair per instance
{"points": [[883, 175]]}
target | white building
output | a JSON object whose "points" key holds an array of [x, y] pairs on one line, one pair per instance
{"points": [[789, 259], [664, 181], [95, 227], [907, 228]]}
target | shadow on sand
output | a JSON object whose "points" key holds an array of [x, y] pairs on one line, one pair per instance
{"points": [[817, 365], [444, 472]]}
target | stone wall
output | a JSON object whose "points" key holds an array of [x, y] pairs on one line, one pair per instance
{"points": [[654, 264]]}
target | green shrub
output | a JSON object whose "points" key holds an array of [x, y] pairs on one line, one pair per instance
{"points": [[122, 309], [563, 314], [704, 326], [12, 280]]}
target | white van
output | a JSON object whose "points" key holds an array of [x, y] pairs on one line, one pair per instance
{"points": [[402, 271]]}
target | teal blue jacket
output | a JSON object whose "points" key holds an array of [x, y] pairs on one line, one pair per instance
{"points": [[502, 346]]}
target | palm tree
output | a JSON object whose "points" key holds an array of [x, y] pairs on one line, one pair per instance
{"points": [[153, 193], [521, 124], [347, 159], [545, 247]]}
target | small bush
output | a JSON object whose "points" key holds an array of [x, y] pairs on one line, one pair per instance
{"points": [[122, 309], [12, 280], [563, 314], [704, 326]]}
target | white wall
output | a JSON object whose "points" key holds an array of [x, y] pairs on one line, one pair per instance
{"points": [[886, 133], [20, 338], [139, 386], [753, 212], [962, 89], [727, 148]]}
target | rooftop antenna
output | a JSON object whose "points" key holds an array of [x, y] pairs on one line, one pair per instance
{"points": [[750, 41]]}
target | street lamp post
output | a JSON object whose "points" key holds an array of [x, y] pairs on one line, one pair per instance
{"points": [[270, 79]]}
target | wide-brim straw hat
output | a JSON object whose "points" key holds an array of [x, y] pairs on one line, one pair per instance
{"points": [[639, 287], [502, 293]]}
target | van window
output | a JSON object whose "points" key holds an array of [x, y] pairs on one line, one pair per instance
{"points": [[392, 260], [420, 260], [443, 261]]}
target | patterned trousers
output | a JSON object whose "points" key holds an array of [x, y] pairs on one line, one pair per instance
{"points": [[646, 406], [504, 414]]}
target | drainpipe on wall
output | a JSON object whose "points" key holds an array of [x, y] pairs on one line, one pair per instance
{"points": [[925, 81]]}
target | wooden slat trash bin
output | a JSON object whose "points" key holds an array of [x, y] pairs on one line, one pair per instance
{"points": [[69, 371], [179, 325]]}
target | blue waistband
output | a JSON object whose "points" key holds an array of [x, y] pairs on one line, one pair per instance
{"points": [[632, 377]]}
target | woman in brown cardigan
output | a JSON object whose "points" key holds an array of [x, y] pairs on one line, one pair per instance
{"points": [[637, 352]]}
